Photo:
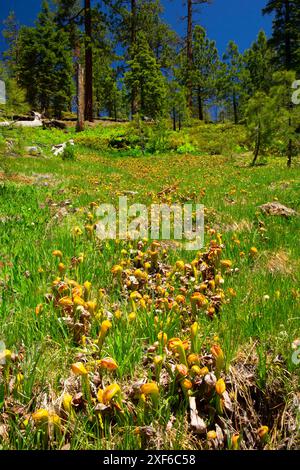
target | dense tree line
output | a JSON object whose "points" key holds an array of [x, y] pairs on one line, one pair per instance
{"points": [[122, 59]]}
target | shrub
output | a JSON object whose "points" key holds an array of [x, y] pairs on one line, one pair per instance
{"points": [[176, 139], [68, 153], [186, 148], [158, 138]]}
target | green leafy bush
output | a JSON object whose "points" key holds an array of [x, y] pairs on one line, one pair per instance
{"points": [[68, 153], [186, 148], [158, 138]]}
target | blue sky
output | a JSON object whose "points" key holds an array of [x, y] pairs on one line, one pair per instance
{"points": [[240, 20]]}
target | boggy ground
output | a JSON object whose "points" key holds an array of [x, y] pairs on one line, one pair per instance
{"points": [[127, 344]]}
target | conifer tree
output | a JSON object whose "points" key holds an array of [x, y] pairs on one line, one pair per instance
{"points": [[15, 96], [68, 17], [233, 79], [45, 65], [177, 104], [129, 19], [260, 122], [274, 119], [88, 61], [163, 41], [258, 62], [288, 113], [285, 39], [145, 77], [205, 68], [190, 5], [11, 33], [72, 13]]}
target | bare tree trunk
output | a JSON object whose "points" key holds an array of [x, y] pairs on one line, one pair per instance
{"points": [[235, 108], [79, 70], [134, 91], [189, 50], [290, 148], [287, 34], [257, 146], [200, 105], [88, 62], [290, 153], [115, 110], [80, 97], [174, 119]]}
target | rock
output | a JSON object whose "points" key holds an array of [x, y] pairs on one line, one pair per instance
{"points": [[275, 208], [147, 119], [59, 149], [62, 212], [197, 423], [33, 151]]}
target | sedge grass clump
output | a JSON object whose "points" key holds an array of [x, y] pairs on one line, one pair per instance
{"points": [[69, 153], [48, 425]]}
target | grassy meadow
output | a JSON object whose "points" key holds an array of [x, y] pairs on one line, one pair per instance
{"points": [[142, 344]]}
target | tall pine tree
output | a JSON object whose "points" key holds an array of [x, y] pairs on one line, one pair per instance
{"points": [[72, 13], [286, 33], [233, 80], [45, 65], [205, 67], [146, 79], [258, 61], [190, 6], [11, 34]]}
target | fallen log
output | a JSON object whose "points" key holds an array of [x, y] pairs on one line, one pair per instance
{"points": [[53, 124]]}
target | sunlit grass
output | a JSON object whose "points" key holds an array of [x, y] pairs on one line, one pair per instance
{"points": [[256, 326]]}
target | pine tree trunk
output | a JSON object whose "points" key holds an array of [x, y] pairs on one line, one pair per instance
{"points": [[80, 97], [134, 91], [290, 148], [142, 100], [189, 48], [287, 34], [257, 146], [88, 62], [235, 108], [133, 22], [174, 119], [200, 105], [79, 70], [290, 153]]}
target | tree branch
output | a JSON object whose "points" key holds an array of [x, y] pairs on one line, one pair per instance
{"points": [[70, 20]]}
